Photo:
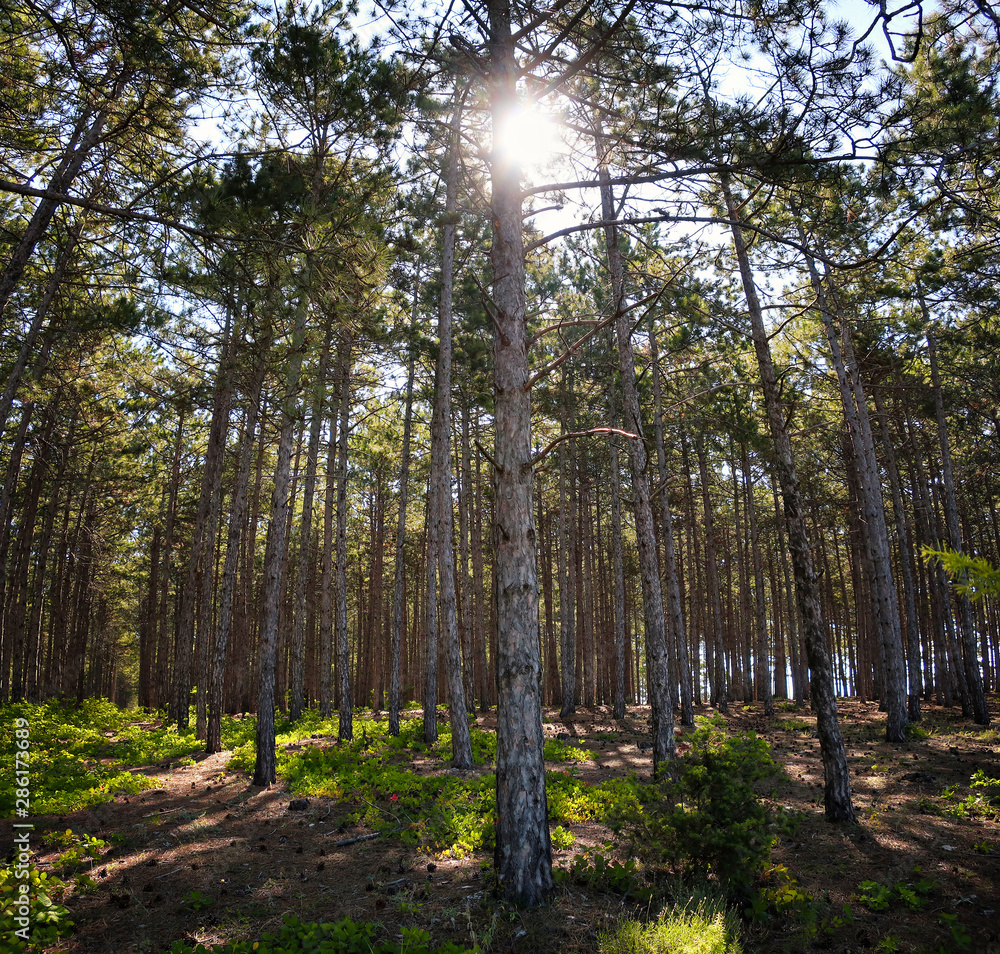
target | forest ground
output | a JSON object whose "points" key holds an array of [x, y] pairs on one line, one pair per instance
{"points": [[207, 857]]}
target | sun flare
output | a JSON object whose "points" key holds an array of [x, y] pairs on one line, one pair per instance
{"points": [[527, 136]]}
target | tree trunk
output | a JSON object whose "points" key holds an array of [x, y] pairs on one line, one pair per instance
{"points": [[443, 509], [265, 766], [399, 580], [837, 795], [970, 654], [658, 676], [567, 560], [911, 622], [345, 728], [764, 678], [234, 541], [675, 606], [885, 605], [523, 850], [198, 557], [714, 595], [305, 556]]}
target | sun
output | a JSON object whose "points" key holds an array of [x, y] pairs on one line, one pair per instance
{"points": [[527, 136]]}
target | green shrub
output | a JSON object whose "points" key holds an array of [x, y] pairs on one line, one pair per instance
{"points": [[342, 937], [708, 820]]}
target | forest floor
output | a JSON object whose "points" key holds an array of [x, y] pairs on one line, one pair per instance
{"points": [[206, 857]]}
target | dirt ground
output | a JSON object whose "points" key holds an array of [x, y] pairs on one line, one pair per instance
{"points": [[253, 860]]}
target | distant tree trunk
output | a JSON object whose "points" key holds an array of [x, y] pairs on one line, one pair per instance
{"points": [[838, 785], [326, 596], [763, 670], [442, 513], [345, 729], [885, 605], [970, 654], [523, 851], [675, 606], [911, 621], [618, 583], [234, 542], [463, 582], [485, 686], [657, 651], [6, 525], [399, 581], [147, 629], [265, 766], [162, 680], [198, 557], [567, 561], [305, 556], [714, 609]]}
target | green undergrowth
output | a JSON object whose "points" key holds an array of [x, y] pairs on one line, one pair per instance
{"points": [[341, 937], [441, 812], [702, 928], [79, 755]]}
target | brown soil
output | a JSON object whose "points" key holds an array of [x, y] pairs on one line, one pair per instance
{"points": [[207, 829]]}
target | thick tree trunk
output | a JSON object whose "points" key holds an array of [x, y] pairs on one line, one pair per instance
{"points": [[838, 785], [523, 849]]}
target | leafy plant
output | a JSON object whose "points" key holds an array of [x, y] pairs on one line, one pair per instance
{"points": [[197, 901], [47, 920], [556, 750], [562, 838], [960, 939], [912, 894], [596, 870]]}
